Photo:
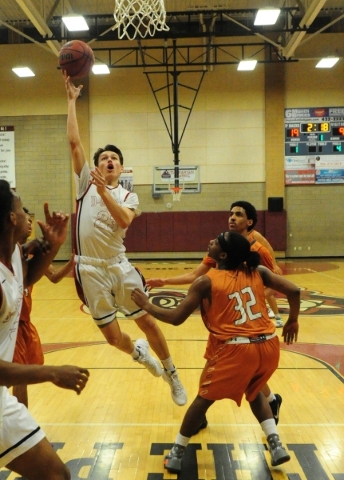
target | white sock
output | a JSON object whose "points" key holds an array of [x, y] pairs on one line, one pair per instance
{"points": [[269, 427], [168, 364], [135, 354], [181, 440], [271, 397]]}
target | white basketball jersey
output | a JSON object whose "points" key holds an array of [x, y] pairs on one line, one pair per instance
{"points": [[97, 234], [12, 296]]}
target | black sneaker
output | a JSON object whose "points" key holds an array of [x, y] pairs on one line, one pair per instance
{"points": [[204, 424], [173, 460], [275, 406], [278, 454]]}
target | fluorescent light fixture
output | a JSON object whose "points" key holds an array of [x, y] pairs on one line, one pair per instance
{"points": [[75, 23], [23, 72], [267, 16], [327, 62], [100, 69], [247, 65]]}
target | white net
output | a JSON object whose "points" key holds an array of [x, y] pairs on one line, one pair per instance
{"points": [[176, 193], [139, 17]]}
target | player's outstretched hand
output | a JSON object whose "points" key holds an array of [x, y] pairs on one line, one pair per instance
{"points": [[290, 331], [139, 298], [73, 92], [155, 282], [71, 377], [98, 180], [54, 229]]}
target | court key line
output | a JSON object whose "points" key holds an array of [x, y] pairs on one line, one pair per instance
{"points": [[236, 425]]}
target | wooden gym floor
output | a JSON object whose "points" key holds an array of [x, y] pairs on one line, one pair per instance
{"points": [[124, 422]]}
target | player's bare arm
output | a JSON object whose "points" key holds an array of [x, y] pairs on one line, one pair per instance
{"points": [[55, 276], [122, 215], [259, 237], [199, 289], [184, 279], [292, 292], [66, 376], [77, 149]]}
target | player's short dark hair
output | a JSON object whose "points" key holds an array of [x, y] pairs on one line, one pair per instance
{"points": [[110, 148], [251, 212], [238, 249], [6, 202]]}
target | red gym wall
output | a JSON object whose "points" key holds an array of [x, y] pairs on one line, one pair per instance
{"points": [[191, 231]]}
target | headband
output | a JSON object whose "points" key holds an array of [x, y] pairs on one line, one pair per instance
{"points": [[222, 242]]}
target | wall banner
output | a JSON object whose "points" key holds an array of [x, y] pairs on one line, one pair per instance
{"points": [[7, 158]]}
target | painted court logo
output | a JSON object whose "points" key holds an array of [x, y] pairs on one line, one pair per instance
{"points": [[225, 462], [312, 302]]}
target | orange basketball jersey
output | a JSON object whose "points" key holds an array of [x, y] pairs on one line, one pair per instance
{"points": [[237, 305]]}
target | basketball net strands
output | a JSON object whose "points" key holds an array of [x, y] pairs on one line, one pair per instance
{"points": [[176, 193], [139, 17]]}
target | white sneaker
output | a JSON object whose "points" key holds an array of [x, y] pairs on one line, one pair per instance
{"points": [[279, 322], [271, 313], [146, 359], [178, 393]]}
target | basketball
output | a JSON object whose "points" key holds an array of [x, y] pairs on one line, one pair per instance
{"points": [[77, 58]]}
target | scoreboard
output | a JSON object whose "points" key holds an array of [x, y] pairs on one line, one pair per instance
{"points": [[314, 145]]}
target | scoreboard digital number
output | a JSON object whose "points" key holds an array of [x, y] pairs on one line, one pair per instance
{"points": [[314, 145], [315, 127], [314, 137], [338, 130], [294, 132]]}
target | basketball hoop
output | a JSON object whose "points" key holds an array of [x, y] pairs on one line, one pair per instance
{"points": [[176, 193], [143, 16]]}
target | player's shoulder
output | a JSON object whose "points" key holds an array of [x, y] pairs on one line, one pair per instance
{"points": [[256, 235], [256, 246], [125, 197]]}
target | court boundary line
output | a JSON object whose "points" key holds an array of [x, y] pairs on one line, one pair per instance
{"points": [[135, 425]]}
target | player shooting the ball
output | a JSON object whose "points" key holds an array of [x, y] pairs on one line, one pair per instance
{"points": [[105, 212]]}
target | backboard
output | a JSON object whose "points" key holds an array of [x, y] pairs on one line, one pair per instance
{"points": [[189, 179]]}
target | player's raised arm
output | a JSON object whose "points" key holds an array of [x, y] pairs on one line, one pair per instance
{"points": [[54, 231], [77, 149]]}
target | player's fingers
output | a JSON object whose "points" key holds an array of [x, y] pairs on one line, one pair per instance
{"points": [[46, 209], [84, 371], [41, 226]]}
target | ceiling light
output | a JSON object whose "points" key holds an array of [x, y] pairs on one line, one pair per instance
{"points": [[23, 72], [267, 16], [327, 62], [247, 65], [75, 23], [100, 69]]}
